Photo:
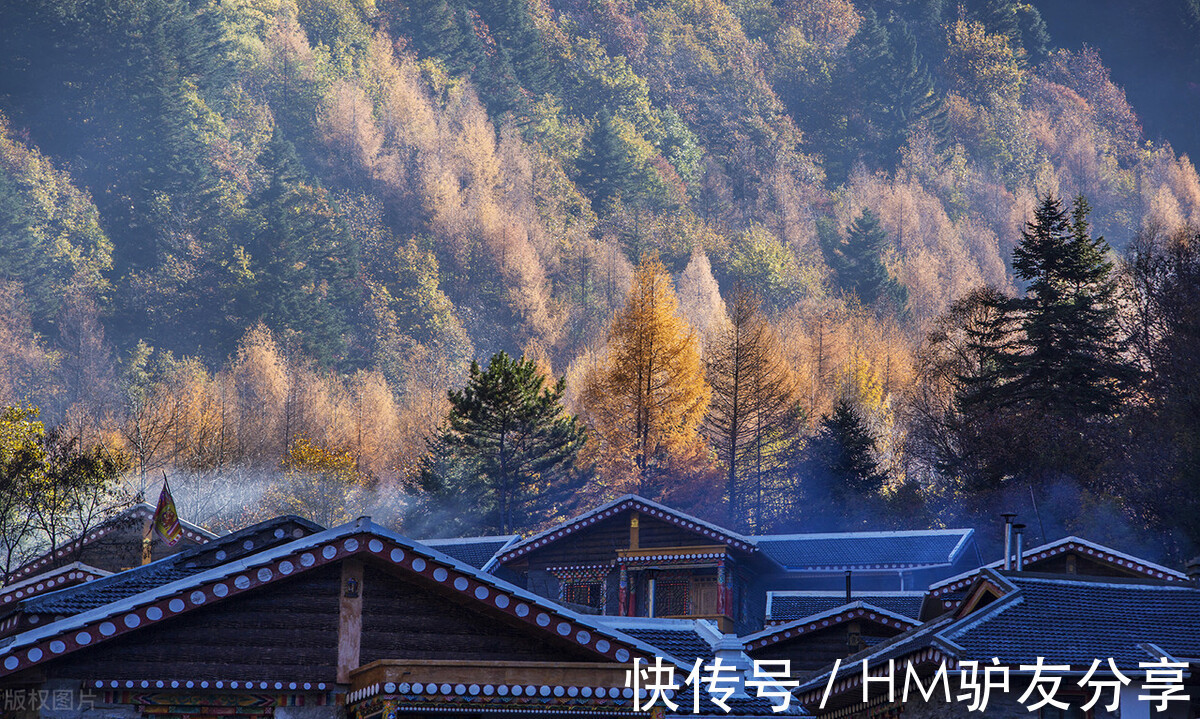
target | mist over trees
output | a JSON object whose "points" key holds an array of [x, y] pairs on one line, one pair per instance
{"points": [[798, 263]]}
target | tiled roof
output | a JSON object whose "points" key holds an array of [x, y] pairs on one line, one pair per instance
{"points": [[952, 587], [476, 551], [866, 550], [784, 606], [193, 560], [683, 639], [1063, 618], [267, 565], [57, 578], [851, 611], [1073, 621]]}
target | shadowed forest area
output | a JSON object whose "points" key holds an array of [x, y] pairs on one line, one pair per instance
{"points": [[471, 265]]}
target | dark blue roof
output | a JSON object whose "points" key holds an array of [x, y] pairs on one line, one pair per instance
{"points": [[475, 551], [193, 560], [1064, 619], [1072, 621], [786, 606], [866, 550]]}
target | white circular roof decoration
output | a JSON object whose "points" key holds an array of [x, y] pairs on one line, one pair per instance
{"points": [[307, 559], [57, 647], [35, 655], [460, 689], [197, 597], [351, 544], [154, 613], [418, 564], [583, 637], [440, 574], [220, 590], [286, 567], [241, 582], [108, 628], [602, 646], [132, 620], [563, 628], [586, 692], [397, 555], [501, 601], [444, 689], [375, 546], [481, 593], [329, 551], [83, 638], [248, 544], [622, 655], [404, 688], [279, 533], [473, 690], [543, 619], [522, 610], [265, 574], [460, 584]]}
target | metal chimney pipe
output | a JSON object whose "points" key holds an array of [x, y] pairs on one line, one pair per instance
{"points": [[1008, 522], [1019, 529], [848, 593]]}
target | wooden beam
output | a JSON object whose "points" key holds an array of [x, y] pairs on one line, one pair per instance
{"points": [[633, 530], [349, 619]]}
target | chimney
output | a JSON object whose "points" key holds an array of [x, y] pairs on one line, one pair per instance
{"points": [[730, 650], [849, 594], [1019, 530], [1008, 525], [1193, 569]]}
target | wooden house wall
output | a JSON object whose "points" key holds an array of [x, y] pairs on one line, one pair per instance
{"points": [[405, 620], [287, 630], [1083, 565], [600, 542]]}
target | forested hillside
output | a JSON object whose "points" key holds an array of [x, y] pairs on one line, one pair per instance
{"points": [[800, 263]]}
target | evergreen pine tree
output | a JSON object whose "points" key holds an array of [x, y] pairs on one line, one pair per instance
{"points": [[843, 452], [915, 99], [606, 166], [858, 261], [1069, 358], [506, 454]]}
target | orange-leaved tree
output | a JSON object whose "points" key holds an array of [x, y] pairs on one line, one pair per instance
{"points": [[646, 398]]}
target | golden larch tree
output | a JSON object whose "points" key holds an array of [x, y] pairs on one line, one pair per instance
{"points": [[646, 398]]}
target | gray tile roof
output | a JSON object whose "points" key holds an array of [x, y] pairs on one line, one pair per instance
{"points": [[1063, 618], [851, 550], [98, 592], [475, 551], [685, 645], [784, 606], [1072, 621]]}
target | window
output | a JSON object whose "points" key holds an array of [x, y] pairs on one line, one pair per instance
{"points": [[588, 594], [671, 596]]}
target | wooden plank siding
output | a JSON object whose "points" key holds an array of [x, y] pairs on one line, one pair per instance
{"points": [[287, 630], [600, 542], [404, 620]]}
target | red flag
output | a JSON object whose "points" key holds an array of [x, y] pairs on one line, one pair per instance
{"points": [[166, 520]]}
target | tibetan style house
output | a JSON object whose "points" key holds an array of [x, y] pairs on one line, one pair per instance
{"points": [[290, 620]]}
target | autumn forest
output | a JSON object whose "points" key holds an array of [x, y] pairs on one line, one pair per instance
{"points": [[470, 266]]}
